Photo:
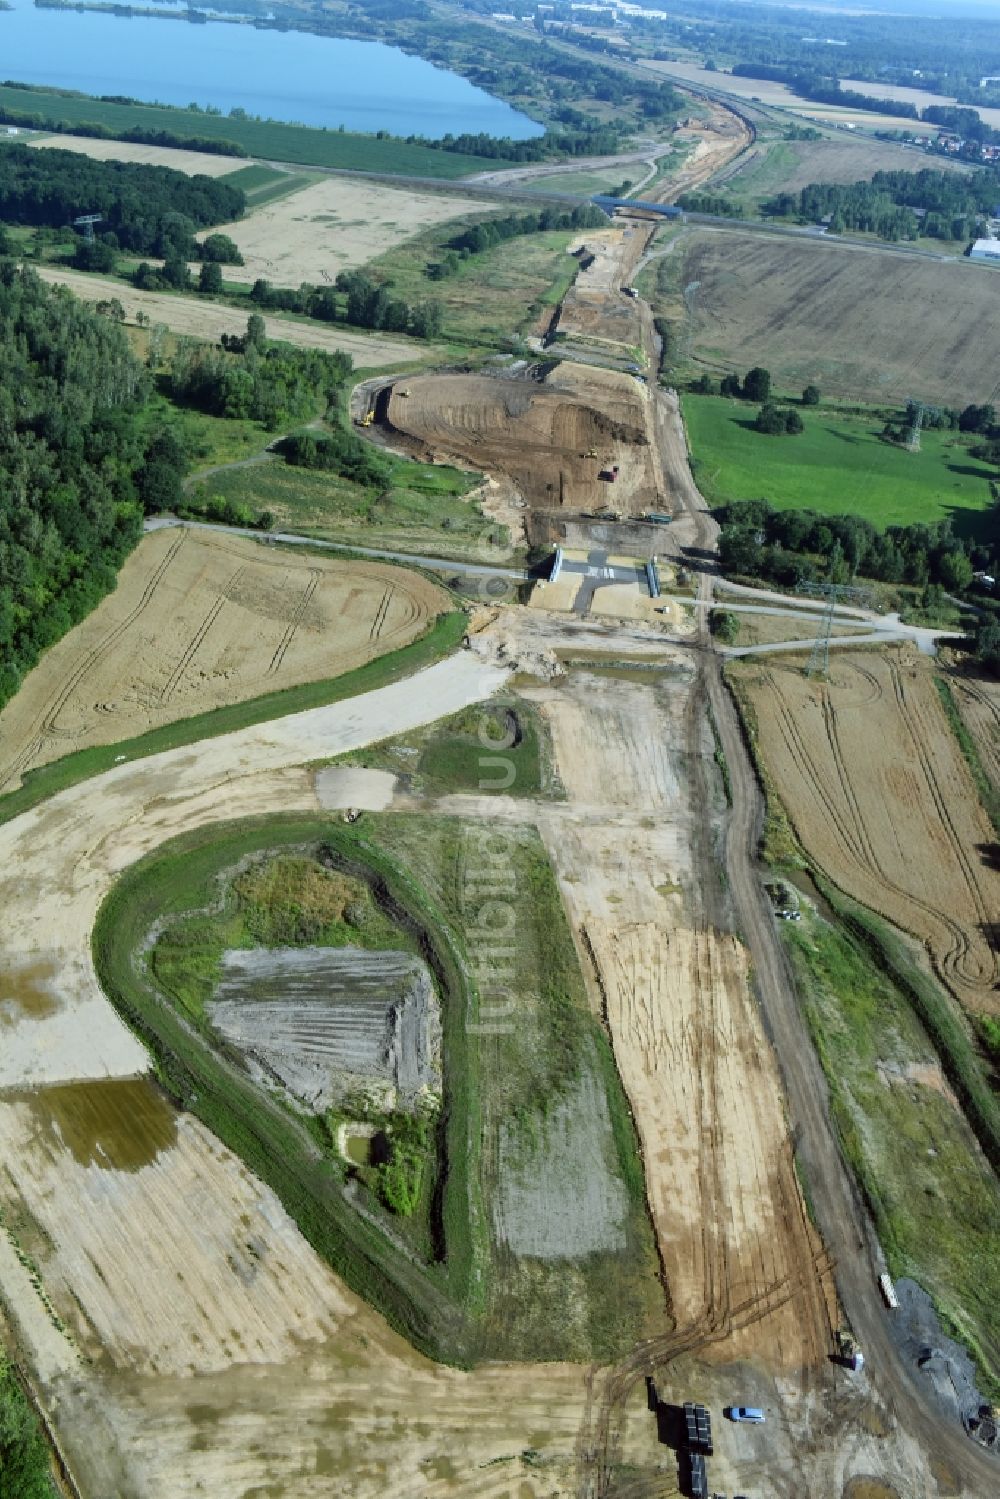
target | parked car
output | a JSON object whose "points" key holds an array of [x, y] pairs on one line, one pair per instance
{"points": [[746, 1413]]}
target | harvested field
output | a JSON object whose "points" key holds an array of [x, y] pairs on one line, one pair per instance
{"points": [[198, 620], [838, 317], [334, 225], [200, 318], [194, 163], [133, 1213], [877, 790], [789, 166], [541, 434], [324, 1021], [770, 92]]}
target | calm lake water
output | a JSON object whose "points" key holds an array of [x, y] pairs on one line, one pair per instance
{"points": [[282, 75]]}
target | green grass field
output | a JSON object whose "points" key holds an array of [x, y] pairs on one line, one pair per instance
{"points": [[263, 184], [422, 511], [270, 138], [493, 297], [473, 751], [837, 465]]}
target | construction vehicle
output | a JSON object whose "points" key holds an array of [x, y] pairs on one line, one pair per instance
{"points": [[848, 1352], [590, 453], [403, 393], [630, 291], [367, 419]]}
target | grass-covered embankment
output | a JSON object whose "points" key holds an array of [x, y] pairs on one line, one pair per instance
{"points": [[444, 635], [25, 1470], [933, 1197], [425, 1302], [422, 509]]}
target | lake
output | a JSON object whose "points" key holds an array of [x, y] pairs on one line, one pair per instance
{"points": [[280, 75]]}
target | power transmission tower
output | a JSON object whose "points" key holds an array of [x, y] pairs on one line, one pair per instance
{"points": [[86, 222], [833, 593], [917, 411]]}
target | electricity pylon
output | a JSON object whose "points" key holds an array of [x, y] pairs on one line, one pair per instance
{"points": [[86, 222], [819, 660], [919, 410]]}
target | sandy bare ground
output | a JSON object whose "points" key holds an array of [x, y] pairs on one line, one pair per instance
{"points": [[553, 438], [701, 1078], [880, 796], [163, 1256], [202, 318], [59, 860], [136, 1277], [194, 163], [198, 620], [811, 311], [333, 225], [595, 309], [705, 1092]]}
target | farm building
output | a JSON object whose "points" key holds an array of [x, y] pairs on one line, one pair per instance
{"points": [[985, 249]]}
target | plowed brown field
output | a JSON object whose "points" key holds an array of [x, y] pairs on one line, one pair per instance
{"points": [[539, 433], [814, 311], [199, 620], [878, 792]]}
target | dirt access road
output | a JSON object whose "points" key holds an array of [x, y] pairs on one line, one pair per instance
{"points": [[840, 1214]]}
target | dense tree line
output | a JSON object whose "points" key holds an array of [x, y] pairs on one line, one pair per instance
{"points": [[825, 89], [72, 464], [587, 139], [147, 210], [341, 452], [711, 203], [355, 299], [793, 546], [249, 377], [885, 205]]}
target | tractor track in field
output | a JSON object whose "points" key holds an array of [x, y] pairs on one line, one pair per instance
{"points": [[297, 617], [198, 638], [46, 720]]}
